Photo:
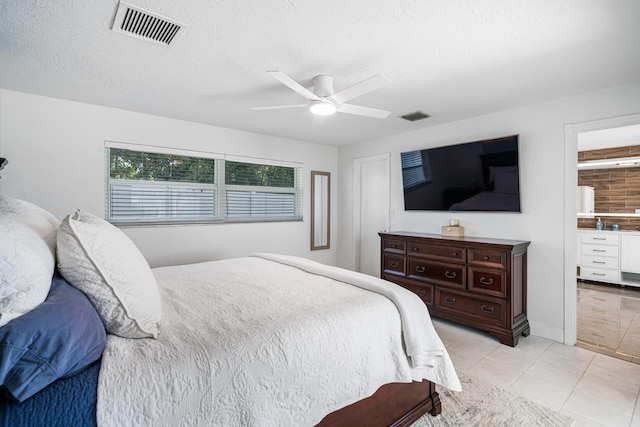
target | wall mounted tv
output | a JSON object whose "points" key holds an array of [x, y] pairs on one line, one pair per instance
{"points": [[474, 176]]}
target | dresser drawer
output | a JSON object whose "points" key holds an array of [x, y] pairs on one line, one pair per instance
{"points": [[395, 246], [604, 275], [488, 281], [423, 290], [488, 310], [443, 253], [600, 250], [600, 238], [487, 258], [437, 272], [599, 262], [393, 264]]}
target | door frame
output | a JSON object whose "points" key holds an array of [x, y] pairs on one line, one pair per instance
{"points": [[571, 132], [357, 200]]}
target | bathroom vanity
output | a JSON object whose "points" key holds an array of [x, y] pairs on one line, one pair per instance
{"points": [[609, 256]]}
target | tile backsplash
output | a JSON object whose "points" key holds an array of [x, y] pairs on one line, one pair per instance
{"points": [[616, 190]]}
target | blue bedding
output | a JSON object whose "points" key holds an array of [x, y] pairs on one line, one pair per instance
{"points": [[66, 402]]}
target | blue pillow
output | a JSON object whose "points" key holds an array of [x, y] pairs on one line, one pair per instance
{"points": [[57, 339]]}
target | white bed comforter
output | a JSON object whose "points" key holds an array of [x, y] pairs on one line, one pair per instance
{"points": [[253, 342]]}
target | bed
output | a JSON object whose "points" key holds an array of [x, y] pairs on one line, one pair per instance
{"points": [[266, 339]]}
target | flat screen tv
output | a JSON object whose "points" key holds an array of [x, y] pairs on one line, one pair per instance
{"points": [[474, 176]]}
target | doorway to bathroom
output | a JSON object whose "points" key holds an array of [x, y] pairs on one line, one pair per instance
{"points": [[602, 303]]}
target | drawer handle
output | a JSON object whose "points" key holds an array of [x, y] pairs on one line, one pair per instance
{"points": [[394, 246], [421, 292], [420, 269], [414, 249], [599, 238], [598, 274], [484, 281], [599, 250], [450, 274], [598, 262], [394, 264], [488, 310], [450, 300], [486, 258], [455, 254]]}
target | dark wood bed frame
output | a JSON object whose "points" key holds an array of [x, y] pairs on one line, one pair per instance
{"points": [[393, 405]]}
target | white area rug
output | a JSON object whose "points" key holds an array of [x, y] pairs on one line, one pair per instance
{"points": [[481, 404]]}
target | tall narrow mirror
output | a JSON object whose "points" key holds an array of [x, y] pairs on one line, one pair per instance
{"points": [[320, 209]]}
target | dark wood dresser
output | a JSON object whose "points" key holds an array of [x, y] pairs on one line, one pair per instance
{"points": [[474, 281]]}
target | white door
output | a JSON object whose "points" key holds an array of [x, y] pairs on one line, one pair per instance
{"points": [[371, 210]]}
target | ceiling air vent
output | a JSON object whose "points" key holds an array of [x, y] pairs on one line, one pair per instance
{"points": [[415, 116], [141, 24]]}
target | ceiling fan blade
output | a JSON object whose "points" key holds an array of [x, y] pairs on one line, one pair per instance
{"points": [[292, 84], [363, 111], [279, 107], [359, 89]]}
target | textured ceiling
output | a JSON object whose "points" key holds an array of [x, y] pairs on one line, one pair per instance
{"points": [[451, 59]]}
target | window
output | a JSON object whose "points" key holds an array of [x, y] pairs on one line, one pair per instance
{"points": [[148, 187]]}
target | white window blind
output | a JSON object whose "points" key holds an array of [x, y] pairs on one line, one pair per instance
{"points": [[145, 187]]}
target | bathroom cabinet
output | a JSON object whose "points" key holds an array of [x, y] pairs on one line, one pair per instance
{"points": [[630, 254], [609, 256]]}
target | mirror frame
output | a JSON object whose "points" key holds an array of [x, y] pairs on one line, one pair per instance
{"points": [[321, 203]]}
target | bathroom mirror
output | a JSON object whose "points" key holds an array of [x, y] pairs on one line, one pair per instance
{"points": [[320, 209]]}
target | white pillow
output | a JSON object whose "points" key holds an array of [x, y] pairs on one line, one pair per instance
{"points": [[27, 256], [103, 262]]}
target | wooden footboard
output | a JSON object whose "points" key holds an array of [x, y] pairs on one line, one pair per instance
{"points": [[396, 405]]}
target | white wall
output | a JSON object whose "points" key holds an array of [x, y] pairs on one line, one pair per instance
{"points": [[56, 152], [541, 130]]}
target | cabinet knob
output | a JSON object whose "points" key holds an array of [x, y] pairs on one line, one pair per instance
{"points": [[450, 274], [420, 269]]}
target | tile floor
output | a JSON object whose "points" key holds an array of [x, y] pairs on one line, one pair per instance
{"points": [[593, 388], [609, 319]]}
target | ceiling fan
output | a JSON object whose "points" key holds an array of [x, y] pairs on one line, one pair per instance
{"points": [[323, 101]]}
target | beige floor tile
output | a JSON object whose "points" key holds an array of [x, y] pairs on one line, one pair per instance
{"points": [[550, 389], [585, 407], [594, 389], [620, 395], [581, 422], [530, 347], [564, 362], [501, 368], [609, 369], [572, 351]]}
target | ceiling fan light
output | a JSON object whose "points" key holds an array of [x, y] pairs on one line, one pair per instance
{"points": [[322, 108]]}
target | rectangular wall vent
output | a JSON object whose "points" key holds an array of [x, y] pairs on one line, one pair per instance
{"points": [[415, 116], [136, 22]]}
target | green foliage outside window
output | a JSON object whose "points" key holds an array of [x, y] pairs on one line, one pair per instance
{"points": [[137, 165], [237, 173]]}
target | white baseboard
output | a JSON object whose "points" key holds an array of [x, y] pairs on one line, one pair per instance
{"points": [[546, 331]]}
